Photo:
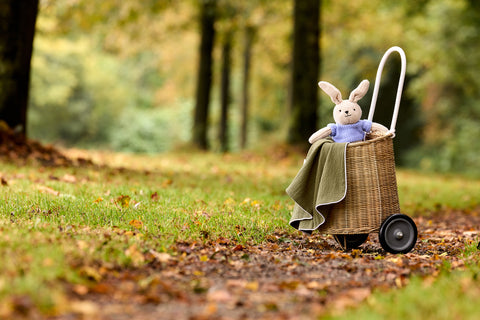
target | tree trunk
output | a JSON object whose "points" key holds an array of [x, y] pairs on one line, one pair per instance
{"points": [[204, 79], [247, 58], [17, 30], [225, 92], [305, 71]]}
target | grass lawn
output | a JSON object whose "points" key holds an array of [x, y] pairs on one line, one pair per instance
{"points": [[68, 225]]}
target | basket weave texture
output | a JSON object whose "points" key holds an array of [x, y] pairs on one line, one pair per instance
{"points": [[372, 193]]}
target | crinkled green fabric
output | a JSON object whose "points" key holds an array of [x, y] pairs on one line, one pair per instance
{"points": [[320, 182]]}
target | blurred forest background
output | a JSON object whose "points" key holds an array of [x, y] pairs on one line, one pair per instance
{"points": [[122, 75]]}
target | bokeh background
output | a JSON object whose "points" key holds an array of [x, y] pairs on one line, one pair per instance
{"points": [[122, 75]]}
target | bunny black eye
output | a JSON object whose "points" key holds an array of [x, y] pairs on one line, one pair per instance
{"points": [[353, 109], [339, 110]]}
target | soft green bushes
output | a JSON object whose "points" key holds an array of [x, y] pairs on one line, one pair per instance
{"points": [[151, 130], [84, 97], [77, 94]]}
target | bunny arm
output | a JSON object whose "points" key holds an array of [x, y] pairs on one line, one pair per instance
{"points": [[378, 127], [320, 134]]}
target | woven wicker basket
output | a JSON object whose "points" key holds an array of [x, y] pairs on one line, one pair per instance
{"points": [[372, 193]]}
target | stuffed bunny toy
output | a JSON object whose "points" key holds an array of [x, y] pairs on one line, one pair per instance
{"points": [[347, 113]]}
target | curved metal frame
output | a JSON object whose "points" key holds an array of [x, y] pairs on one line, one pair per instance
{"points": [[399, 88]]}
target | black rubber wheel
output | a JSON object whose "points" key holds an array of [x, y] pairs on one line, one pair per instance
{"points": [[398, 234], [350, 241]]}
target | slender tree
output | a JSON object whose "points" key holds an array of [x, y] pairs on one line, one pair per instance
{"points": [[17, 30], [247, 60], [225, 91], [204, 79], [305, 70]]}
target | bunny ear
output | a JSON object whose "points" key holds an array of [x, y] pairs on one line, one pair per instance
{"points": [[333, 92], [359, 92]]}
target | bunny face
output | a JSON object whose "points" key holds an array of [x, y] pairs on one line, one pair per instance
{"points": [[347, 113]]}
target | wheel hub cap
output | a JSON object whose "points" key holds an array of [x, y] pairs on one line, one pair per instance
{"points": [[398, 234]]}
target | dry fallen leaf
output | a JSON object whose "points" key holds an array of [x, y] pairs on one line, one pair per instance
{"points": [[87, 308], [351, 298], [69, 178], [229, 202], [91, 273], [80, 289], [238, 247], [167, 183], [218, 295], [136, 223], [160, 256], [45, 189], [134, 253], [123, 201], [99, 199], [252, 286]]}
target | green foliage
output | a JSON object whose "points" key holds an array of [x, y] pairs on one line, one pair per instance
{"points": [[152, 130], [457, 153], [448, 83], [74, 100], [101, 101]]}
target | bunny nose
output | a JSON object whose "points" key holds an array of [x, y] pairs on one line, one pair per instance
{"points": [[346, 111]]}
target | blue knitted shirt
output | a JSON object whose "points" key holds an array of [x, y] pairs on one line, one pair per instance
{"points": [[350, 132]]}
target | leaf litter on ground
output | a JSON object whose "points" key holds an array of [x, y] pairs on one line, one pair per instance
{"points": [[301, 277]]}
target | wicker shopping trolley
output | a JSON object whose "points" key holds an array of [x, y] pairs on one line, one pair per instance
{"points": [[372, 203]]}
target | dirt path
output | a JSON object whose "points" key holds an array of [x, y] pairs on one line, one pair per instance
{"points": [[286, 278]]}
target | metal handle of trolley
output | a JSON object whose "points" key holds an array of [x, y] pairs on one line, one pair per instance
{"points": [[399, 88]]}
